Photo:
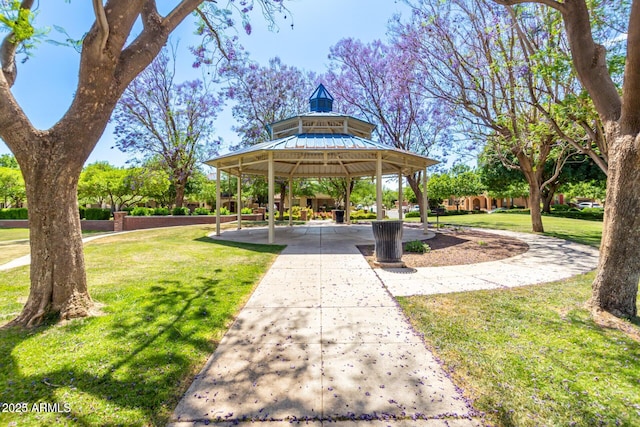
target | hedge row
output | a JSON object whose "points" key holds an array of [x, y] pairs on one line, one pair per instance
{"points": [[13, 213]]}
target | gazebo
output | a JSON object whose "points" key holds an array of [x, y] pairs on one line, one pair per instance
{"points": [[320, 144]]}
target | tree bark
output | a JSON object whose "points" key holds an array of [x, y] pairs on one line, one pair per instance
{"points": [[414, 183], [615, 288], [179, 200], [58, 279], [534, 209]]}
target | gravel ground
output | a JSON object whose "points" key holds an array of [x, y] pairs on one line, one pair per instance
{"points": [[458, 247]]}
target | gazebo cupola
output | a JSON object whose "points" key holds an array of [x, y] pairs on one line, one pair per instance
{"points": [[321, 120], [321, 100]]}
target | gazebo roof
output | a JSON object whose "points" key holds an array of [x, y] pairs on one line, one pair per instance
{"points": [[321, 143], [321, 155]]}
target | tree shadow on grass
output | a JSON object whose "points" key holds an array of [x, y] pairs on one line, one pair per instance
{"points": [[585, 237], [254, 247], [152, 352]]}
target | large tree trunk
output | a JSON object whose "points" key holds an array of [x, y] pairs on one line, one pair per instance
{"points": [[615, 288], [179, 200], [58, 280], [534, 208]]}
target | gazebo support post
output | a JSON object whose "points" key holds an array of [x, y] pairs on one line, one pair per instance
{"points": [[400, 198], [271, 200], [379, 215], [347, 202], [425, 202], [290, 201], [218, 201], [239, 201]]}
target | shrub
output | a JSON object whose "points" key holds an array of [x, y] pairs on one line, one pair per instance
{"points": [[201, 211], [246, 211], [518, 211], [14, 213], [560, 208], [182, 211], [361, 214], [97, 214], [81, 210], [412, 214], [224, 211], [417, 246], [591, 214], [160, 211], [141, 211]]}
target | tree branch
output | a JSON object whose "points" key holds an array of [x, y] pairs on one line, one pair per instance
{"points": [[8, 50], [630, 118], [214, 32], [102, 24], [561, 7]]}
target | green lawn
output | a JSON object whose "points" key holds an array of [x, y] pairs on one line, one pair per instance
{"points": [[533, 356], [11, 234], [577, 230], [14, 243], [167, 298]]}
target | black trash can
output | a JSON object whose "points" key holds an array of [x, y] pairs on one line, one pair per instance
{"points": [[388, 237], [339, 216]]}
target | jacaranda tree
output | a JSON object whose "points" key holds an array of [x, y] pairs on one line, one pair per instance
{"points": [[168, 121], [123, 37], [615, 288], [263, 95], [379, 81]]}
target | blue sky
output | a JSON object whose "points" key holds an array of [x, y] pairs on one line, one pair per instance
{"points": [[46, 82]]}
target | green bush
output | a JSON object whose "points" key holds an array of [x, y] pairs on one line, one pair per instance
{"points": [[182, 211], [590, 214], [81, 210], [361, 214], [453, 213], [141, 211], [201, 211], [417, 246], [560, 208], [246, 211], [160, 211], [97, 214], [14, 213], [414, 214]]}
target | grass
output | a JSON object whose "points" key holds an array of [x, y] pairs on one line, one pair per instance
{"points": [[168, 296], [14, 243], [577, 230], [533, 356]]}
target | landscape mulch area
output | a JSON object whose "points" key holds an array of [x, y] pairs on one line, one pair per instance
{"points": [[457, 247]]}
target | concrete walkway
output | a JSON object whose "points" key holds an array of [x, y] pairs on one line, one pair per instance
{"points": [[322, 340], [547, 260]]}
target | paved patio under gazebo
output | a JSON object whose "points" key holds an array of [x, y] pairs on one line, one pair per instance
{"points": [[327, 231], [320, 144]]}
